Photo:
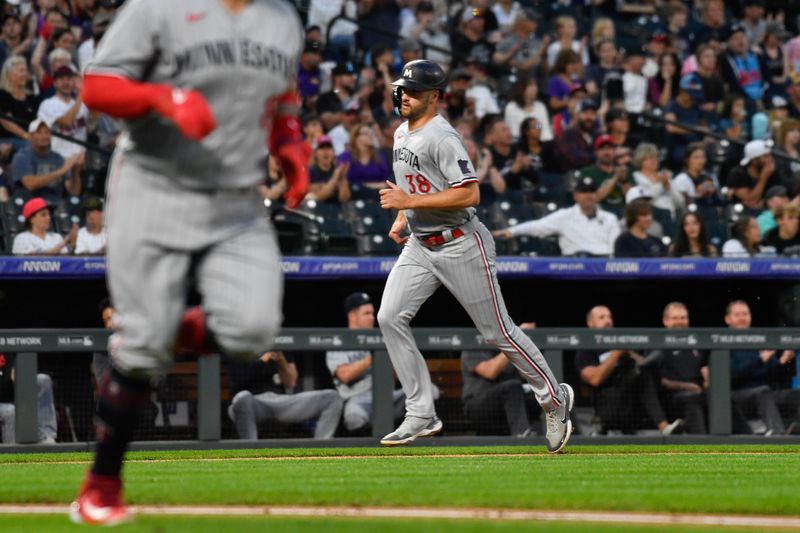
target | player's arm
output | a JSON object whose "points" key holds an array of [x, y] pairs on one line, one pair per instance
{"points": [[597, 375], [34, 182], [454, 198], [286, 370], [350, 372], [491, 368], [543, 227], [398, 228]]}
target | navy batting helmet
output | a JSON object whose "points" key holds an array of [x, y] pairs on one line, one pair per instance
{"points": [[418, 75]]}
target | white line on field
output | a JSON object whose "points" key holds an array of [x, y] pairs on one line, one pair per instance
{"points": [[613, 517]]}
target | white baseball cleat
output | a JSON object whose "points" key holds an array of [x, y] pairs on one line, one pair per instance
{"points": [[559, 426], [411, 428]]}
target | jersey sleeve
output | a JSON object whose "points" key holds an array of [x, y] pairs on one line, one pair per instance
{"points": [[453, 161], [130, 46]]}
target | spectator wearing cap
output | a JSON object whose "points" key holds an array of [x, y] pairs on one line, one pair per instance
{"points": [[755, 174], [352, 370], [521, 51], [17, 101], [38, 171], [575, 145], [328, 179], [565, 75], [92, 236], [566, 30], [514, 165], [524, 104], [773, 62], [471, 40], [611, 179], [36, 240], [655, 183], [775, 197], [694, 183], [428, 30], [100, 23], [583, 229], [635, 242], [740, 68], [65, 114], [342, 91], [785, 238], [309, 75], [634, 83]]}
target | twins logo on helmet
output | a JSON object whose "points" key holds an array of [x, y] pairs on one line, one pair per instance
{"points": [[418, 75]]}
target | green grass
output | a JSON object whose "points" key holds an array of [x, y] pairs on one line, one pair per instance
{"points": [[151, 524], [724, 479]]}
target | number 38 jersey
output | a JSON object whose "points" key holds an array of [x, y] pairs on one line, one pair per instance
{"points": [[432, 159]]}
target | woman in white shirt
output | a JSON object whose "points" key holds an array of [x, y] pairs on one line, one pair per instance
{"points": [[523, 104], [566, 30], [37, 240], [746, 239], [92, 237], [654, 183]]}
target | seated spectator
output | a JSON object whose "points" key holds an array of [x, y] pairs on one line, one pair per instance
{"points": [[775, 197], [36, 240], [634, 84], [787, 144], [12, 40], [694, 183], [785, 238], [751, 371], [471, 40], [635, 242], [583, 229], [328, 181], [704, 84], [564, 119], [523, 104], [740, 68], [655, 183], [520, 52], [681, 109], [274, 184], [713, 23], [39, 172], [312, 128], [618, 125], [17, 101], [514, 165], [480, 92], [607, 63], [490, 181], [492, 393], [45, 412], [543, 157], [367, 167], [611, 179], [683, 374], [309, 75], [691, 239], [755, 175], [663, 87], [263, 390], [574, 146], [566, 31], [773, 64], [745, 239], [92, 237], [352, 370], [566, 74], [428, 30], [625, 394], [733, 119]]}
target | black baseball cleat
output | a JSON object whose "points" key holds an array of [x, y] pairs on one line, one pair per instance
{"points": [[559, 426]]}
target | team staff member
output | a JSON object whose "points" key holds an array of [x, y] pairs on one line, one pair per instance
{"points": [[435, 193], [193, 79]]}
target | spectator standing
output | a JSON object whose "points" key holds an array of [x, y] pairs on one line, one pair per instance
{"points": [[785, 238], [352, 370], [428, 30], [635, 242], [574, 146], [524, 104], [471, 41], [655, 183], [36, 240], [565, 39], [755, 27], [754, 175], [583, 229], [37, 171], [91, 239], [684, 110], [65, 114], [607, 63], [691, 239], [625, 395], [520, 51], [634, 83]]}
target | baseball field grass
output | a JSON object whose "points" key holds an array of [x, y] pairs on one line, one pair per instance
{"points": [[753, 481]]}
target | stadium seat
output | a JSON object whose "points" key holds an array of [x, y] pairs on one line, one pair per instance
{"points": [[717, 233], [664, 217], [536, 247], [734, 211], [376, 244], [551, 189]]}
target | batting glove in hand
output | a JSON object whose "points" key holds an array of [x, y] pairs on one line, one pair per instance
{"points": [[189, 110]]}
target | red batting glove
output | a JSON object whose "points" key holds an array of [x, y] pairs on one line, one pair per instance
{"points": [[287, 144], [189, 110]]}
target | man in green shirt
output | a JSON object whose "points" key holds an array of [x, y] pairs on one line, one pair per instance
{"points": [[610, 174]]}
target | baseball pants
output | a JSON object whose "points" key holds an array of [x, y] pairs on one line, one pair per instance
{"points": [[358, 409], [248, 409], [466, 266], [45, 413], [160, 236]]}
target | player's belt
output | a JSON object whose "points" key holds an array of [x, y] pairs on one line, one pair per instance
{"points": [[440, 238]]}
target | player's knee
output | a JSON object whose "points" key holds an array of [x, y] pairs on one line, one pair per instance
{"points": [[249, 338], [392, 318], [242, 403], [355, 417], [44, 382]]}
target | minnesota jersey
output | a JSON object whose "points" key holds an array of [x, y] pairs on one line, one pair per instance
{"points": [[432, 159], [236, 61]]}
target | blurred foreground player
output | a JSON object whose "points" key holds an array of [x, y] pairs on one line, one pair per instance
{"points": [[198, 82]]}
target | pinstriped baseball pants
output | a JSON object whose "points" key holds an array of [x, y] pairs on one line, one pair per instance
{"points": [[161, 235], [466, 267]]}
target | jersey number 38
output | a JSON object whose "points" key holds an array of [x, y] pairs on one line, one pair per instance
{"points": [[418, 184]]}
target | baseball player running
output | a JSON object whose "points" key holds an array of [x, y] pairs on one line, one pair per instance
{"points": [[198, 82], [435, 191]]}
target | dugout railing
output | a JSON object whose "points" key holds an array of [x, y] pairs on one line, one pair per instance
{"points": [[28, 343]]}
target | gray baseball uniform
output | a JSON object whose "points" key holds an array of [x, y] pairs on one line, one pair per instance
{"points": [[430, 159], [177, 207]]}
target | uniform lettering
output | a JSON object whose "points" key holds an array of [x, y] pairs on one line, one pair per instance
{"points": [[218, 53], [406, 156]]}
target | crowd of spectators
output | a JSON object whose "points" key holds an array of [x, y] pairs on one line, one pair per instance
{"points": [[692, 105]]}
